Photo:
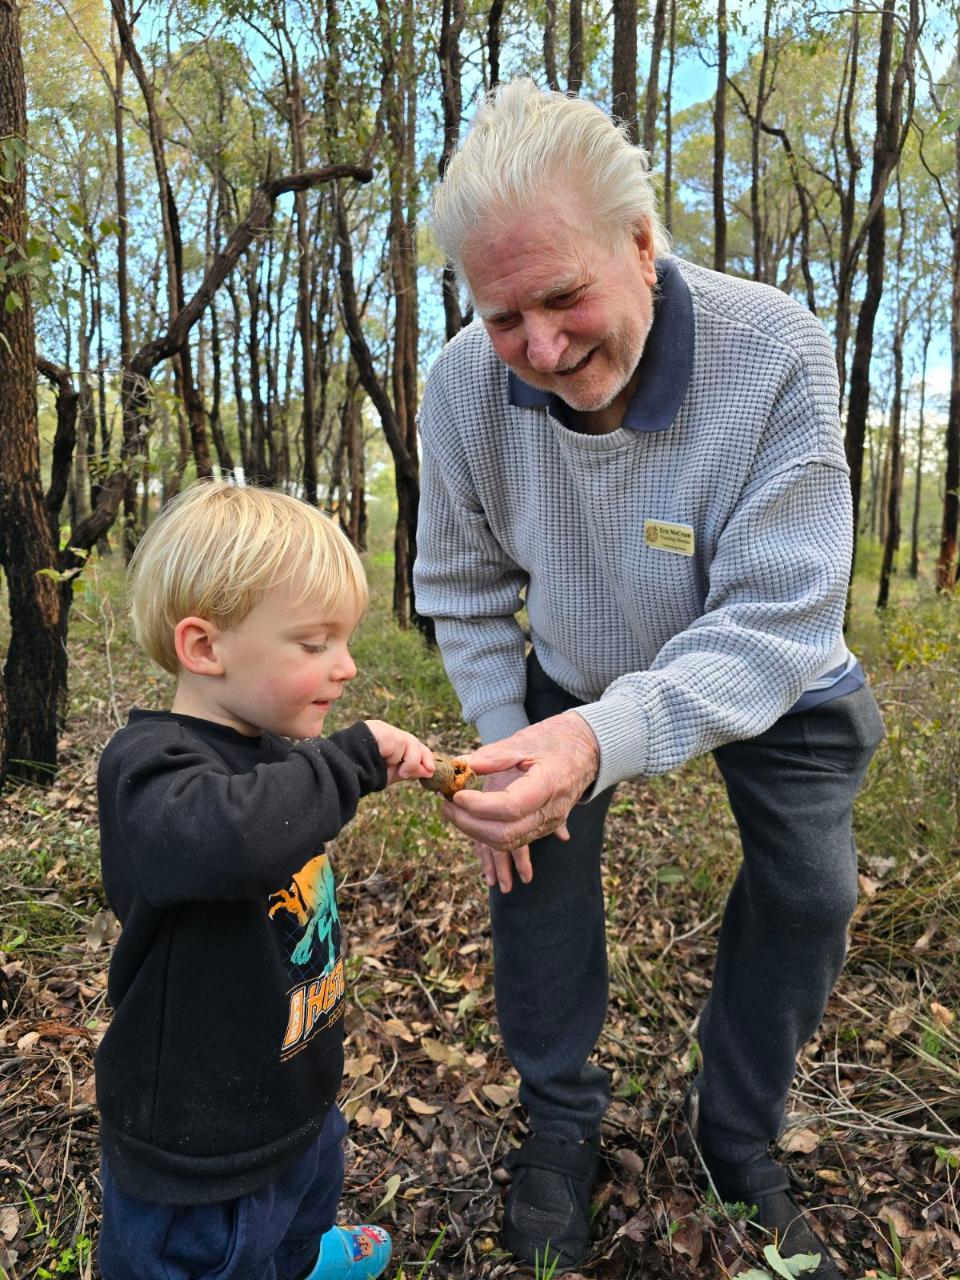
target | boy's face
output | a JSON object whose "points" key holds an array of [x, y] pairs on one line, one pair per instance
{"points": [[285, 664]]}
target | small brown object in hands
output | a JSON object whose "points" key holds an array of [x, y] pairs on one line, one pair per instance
{"points": [[449, 776]]}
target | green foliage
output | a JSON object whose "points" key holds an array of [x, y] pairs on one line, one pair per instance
{"points": [[59, 1259]]}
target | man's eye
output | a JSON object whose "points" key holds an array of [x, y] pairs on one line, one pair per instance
{"points": [[564, 300], [502, 322]]}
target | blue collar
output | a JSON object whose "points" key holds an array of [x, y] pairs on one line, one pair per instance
{"points": [[665, 366]]}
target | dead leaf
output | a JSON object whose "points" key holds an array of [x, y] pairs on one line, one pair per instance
{"points": [[923, 941], [9, 1221], [381, 1118], [499, 1095], [631, 1161], [103, 929], [688, 1239], [400, 1029], [421, 1108], [638, 1227], [899, 1021], [831, 1177], [804, 1140], [353, 1068], [895, 1217], [943, 1015]]}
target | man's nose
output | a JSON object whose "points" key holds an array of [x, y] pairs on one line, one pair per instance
{"points": [[546, 343]]}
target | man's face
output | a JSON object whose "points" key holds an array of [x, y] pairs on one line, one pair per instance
{"points": [[564, 310]]}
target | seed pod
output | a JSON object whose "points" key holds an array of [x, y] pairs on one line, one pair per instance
{"points": [[449, 776]]}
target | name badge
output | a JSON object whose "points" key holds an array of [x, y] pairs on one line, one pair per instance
{"points": [[664, 536]]}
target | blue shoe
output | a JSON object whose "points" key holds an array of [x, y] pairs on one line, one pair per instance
{"points": [[352, 1253]]}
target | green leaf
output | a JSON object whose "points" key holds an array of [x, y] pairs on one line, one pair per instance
{"points": [[669, 875], [800, 1263], [12, 302], [392, 1187], [772, 1257]]}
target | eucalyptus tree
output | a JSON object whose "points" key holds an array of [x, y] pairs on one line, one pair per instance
{"points": [[940, 153], [34, 668]]}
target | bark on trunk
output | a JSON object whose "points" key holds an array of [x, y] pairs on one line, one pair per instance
{"points": [[624, 85], [918, 476], [575, 60], [720, 143], [888, 144], [651, 102], [35, 668], [448, 51]]}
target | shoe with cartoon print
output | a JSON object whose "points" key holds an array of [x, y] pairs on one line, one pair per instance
{"points": [[352, 1253]]}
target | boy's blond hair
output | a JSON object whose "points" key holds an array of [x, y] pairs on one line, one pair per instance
{"points": [[215, 550]]}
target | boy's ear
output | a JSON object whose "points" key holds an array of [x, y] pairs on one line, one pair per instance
{"points": [[195, 643]]}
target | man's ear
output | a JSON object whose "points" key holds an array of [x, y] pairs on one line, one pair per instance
{"points": [[643, 240], [195, 642]]}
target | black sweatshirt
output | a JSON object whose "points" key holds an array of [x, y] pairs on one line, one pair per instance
{"points": [[225, 1051]]}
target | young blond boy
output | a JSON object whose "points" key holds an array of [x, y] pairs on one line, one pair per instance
{"points": [[221, 1139]]}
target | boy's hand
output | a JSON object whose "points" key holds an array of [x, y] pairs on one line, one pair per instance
{"points": [[405, 755]]}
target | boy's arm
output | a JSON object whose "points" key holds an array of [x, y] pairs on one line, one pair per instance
{"points": [[194, 831]]}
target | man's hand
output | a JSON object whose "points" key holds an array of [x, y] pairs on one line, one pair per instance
{"points": [[496, 864], [540, 774]]}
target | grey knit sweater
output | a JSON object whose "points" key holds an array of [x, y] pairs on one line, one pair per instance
{"points": [[673, 654]]}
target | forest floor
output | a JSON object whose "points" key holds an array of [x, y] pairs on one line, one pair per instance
{"points": [[873, 1132]]}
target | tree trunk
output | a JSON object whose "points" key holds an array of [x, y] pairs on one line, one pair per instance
{"points": [[353, 430], [624, 83], [888, 144], [550, 44], [448, 51], [493, 41], [651, 102], [756, 124], [847, 257], [35, 669], [891, 540], [720, 143], [575, 60], [668, 123], [947, 557], [183, 368], [918, 478]]}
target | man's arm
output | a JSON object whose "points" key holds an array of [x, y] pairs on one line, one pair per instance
{"points": [[472, 589]]}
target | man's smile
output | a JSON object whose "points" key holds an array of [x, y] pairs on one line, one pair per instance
{"points": [[575, 368]]}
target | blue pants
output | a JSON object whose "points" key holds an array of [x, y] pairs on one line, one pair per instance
{"points": [[271, 1234], [782, 942]]}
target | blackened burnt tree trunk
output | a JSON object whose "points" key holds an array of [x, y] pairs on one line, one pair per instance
{"points": [[892, 84], [34, 670]]}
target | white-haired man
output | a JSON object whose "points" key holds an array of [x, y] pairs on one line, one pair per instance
{"points": [[649, 453]]}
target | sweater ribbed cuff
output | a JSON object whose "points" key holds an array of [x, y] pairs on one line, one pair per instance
{"points": [[621, 735], [500, 722]]}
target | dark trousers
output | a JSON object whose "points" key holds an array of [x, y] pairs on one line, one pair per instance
{"points": [[273, 1233], [782, 941]]}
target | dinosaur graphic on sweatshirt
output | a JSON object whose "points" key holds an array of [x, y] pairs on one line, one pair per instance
{"points": [[312, 900]]}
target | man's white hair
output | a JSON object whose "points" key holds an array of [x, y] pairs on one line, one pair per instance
{"points": [[526, 143]]}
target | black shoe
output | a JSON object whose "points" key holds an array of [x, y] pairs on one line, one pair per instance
{"points": [[547, 1214], [763, 1183]]}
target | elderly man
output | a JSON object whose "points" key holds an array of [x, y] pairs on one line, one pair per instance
{"points": [[649, 455]]}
